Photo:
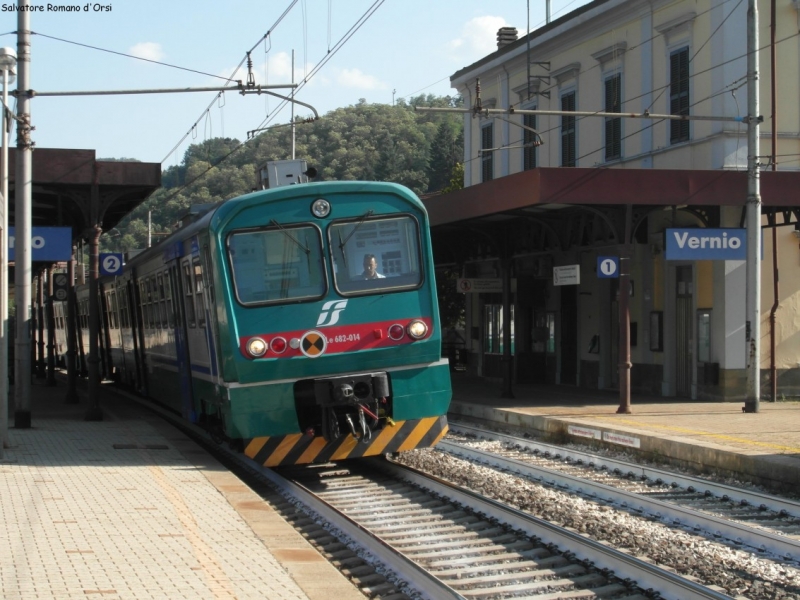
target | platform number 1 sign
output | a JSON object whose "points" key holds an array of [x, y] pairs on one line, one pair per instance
{"points": [[111, 264]]}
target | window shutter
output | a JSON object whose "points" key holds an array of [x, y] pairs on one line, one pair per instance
{"points": [[568, 150], [528, 138], [679, 94], [613, 125], [487, 158]]}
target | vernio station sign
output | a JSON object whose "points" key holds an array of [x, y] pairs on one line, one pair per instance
{"points": [[706, 244]]}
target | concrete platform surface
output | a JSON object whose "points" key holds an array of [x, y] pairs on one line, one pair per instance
{"points": [[713, 437], [128, 507]]}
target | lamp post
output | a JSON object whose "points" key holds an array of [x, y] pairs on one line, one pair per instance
{"points": [[8, 62]]}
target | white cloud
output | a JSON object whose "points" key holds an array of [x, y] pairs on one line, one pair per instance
{"points": [[356, 79], [148, 50], [478, 38]]}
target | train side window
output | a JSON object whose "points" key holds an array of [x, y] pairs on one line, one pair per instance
{"points": [[150, 315], [122, 306], [209, 282], [188, 292], [198, 291], [157, 301], [168, 296], [112, 310], [162, 302], [143, 303]]}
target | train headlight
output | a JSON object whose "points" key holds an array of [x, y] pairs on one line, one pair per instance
{"points": [[320, 208], [417, 329], [257, 347], [396, 332]]}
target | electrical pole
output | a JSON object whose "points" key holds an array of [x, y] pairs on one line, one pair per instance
{"points": [[22, 222], [753, 219], [9, 63], [292, 116]]}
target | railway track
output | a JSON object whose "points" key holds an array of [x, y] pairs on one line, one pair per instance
{"points": [[400, 534], [766, 524], [474, 546]]}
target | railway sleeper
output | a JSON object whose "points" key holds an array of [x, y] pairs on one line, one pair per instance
{"points": [[517, 575], [551, 563], [541, 554], [586, 581]]}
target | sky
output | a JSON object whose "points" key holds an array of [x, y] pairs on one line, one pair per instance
{"points": [[344, 51]]}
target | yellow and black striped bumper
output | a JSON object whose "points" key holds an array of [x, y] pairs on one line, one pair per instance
{"points": [[298, 449]]}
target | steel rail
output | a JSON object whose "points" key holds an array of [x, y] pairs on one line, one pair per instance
{"points": [[619, 564], [721, 490], [411, 574], [624, 566], [667, 512]]}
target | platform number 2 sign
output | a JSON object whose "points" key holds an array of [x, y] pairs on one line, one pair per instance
{"points": [[111, 264]]}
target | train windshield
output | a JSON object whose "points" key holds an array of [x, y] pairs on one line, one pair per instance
{"points": [[375, 255], [278, 264]]}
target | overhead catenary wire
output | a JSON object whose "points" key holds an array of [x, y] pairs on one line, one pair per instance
{"points": [[236, 70], [343, 40], [150, 60]]}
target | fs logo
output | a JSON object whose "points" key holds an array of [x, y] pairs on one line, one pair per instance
{"points": [[335, 307]]}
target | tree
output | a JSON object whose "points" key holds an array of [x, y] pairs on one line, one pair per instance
{"points": [[445, 153], [360, 142]]}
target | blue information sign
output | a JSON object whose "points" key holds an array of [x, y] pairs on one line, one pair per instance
{"points": [[706, 244], [48, 244], [607, 267], [111, 263]]}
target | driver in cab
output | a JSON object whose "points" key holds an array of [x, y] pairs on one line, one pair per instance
{"points": [[371, 268]]}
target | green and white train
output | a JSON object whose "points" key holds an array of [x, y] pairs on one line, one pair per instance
{"points": [[260, 322]]}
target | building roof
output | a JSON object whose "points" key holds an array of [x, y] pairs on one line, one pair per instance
{"points": [[546, 186], [66, 181]]}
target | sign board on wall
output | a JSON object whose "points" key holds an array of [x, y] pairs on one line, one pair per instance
{"points": [[567, 275], [607, 267], [48, 244], [706, 244]]}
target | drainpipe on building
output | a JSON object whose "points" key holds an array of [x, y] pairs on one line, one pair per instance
{"points": [[508, 359], [624, 319], [773, 371]]}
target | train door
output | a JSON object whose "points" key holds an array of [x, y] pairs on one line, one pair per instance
{"points": [[136, 334], [210, 303], [183, 307], [569, 334], [683, 331]]}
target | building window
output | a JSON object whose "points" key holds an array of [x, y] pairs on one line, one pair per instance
{"points": [[529, 140], [568, 150], [613, 125], [679, 94], [487, 156]]}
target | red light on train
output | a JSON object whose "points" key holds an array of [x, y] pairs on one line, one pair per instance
{"points": [[396, 332], [278, 345]]}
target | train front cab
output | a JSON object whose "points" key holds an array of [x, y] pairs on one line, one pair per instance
{"points": [[330, 365]]}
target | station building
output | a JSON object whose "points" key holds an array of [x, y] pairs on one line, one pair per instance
{"points": [[548, 197]]}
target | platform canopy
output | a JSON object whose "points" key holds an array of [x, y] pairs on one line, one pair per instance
{"points": [[71, 188], [548, 209]]}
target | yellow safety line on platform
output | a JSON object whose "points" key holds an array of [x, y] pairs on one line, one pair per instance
{"points": [[720, 436]]}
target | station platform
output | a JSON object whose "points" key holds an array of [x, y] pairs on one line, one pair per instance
{"points": [[129, 507], [710, 437]]}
